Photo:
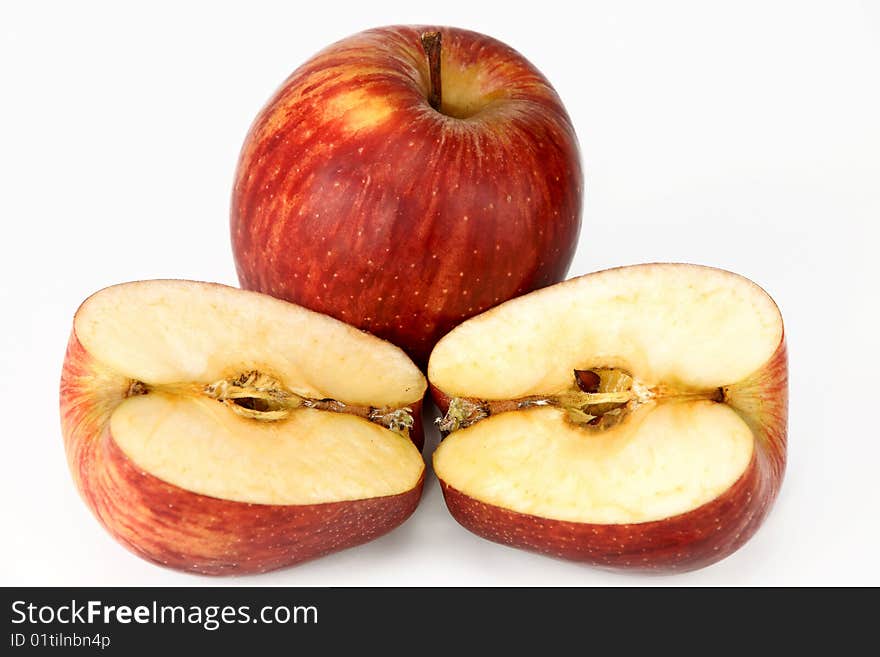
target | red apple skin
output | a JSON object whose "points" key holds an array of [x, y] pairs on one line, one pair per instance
{"points": [[680, 543], [441, 399], [186, 531], [355, 198], [417, 433]]}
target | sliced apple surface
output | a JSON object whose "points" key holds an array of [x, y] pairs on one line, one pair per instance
{"points": [[222, 431], [631, 418]]}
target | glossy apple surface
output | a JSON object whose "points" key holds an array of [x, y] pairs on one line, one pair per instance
{"points": [[356, 198]]}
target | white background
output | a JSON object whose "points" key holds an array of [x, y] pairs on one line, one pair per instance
{"points": [[741, 135]]}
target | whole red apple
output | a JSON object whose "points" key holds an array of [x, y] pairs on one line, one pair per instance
{"points": [[405, 179]]}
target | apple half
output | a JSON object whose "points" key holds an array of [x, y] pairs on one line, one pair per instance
{"points": [[219, 431], [631, 418]]}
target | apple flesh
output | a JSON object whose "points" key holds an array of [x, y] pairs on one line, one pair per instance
{"points": [[221, 431], [632, 418], [357, 198]]}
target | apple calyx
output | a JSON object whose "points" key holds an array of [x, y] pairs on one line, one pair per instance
{"points": [[431, 44], [601, 397], [260, 396]]}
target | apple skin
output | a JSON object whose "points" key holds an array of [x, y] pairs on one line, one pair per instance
{"points": [[177, 528], [680, 543], [353, 197]]}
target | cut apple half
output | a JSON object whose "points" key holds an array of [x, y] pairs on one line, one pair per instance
{"points": [[632, 418], [221, 431]]}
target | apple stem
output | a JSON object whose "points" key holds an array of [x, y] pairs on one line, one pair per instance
{"points": [[431, 44]]}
